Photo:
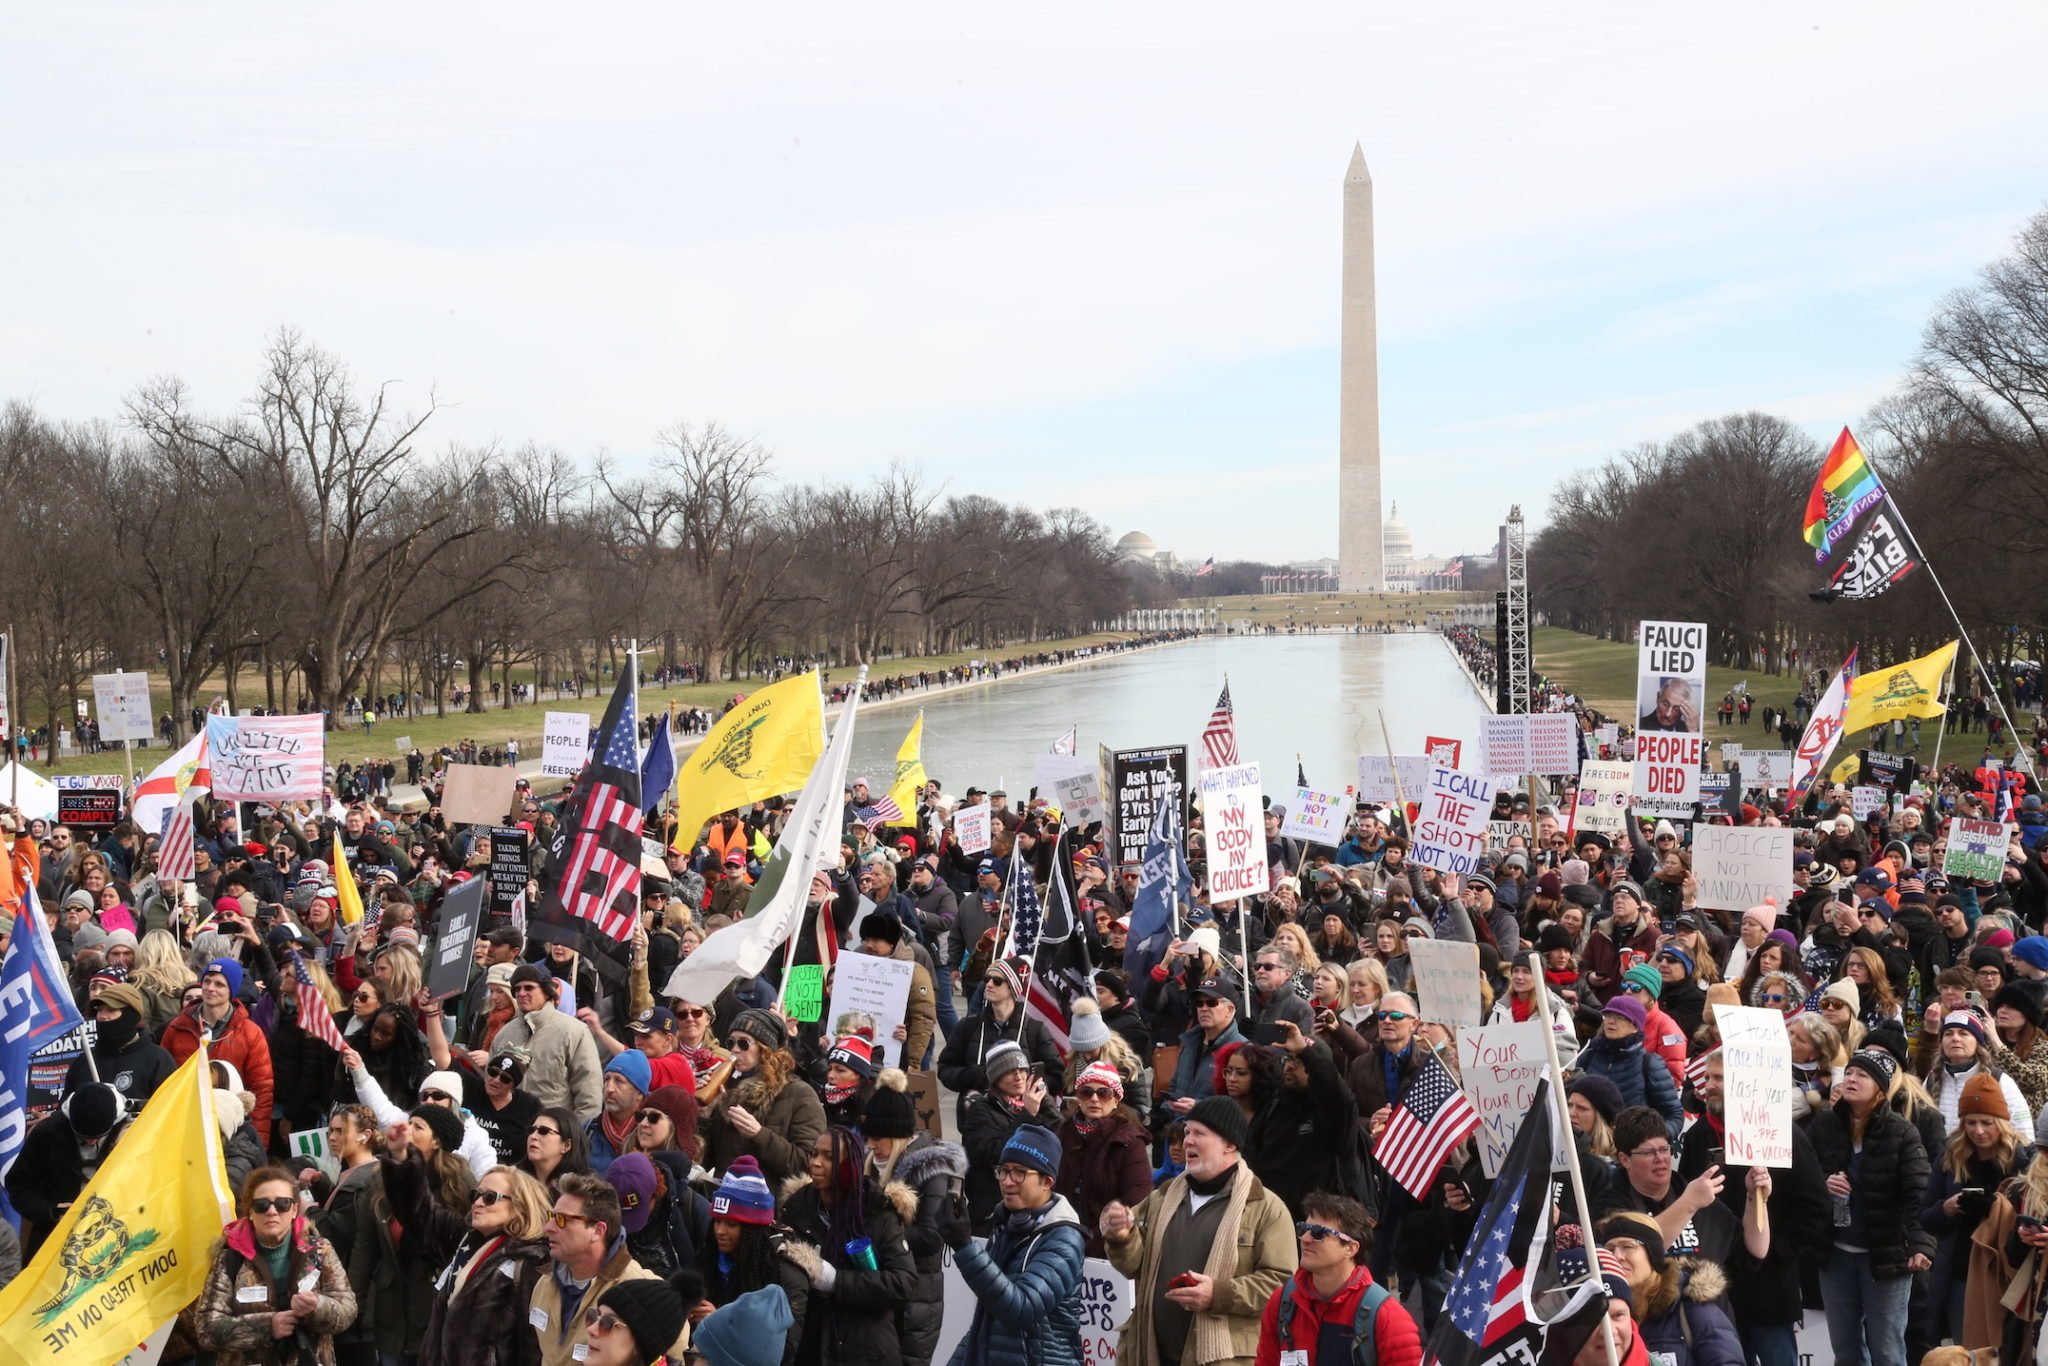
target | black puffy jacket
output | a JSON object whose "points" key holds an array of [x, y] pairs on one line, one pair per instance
{"points": [[1890, 1188]]}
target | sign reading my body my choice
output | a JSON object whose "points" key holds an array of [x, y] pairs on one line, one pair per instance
{"points": [[1234, 832]]}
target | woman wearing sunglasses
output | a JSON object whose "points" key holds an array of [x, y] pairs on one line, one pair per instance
{"points": [[1105, 1155], [767, 1110], [555, 1148], [275, 1289], [489, 1257]]}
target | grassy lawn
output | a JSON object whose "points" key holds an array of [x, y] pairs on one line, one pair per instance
{"points": [[492, 728]]}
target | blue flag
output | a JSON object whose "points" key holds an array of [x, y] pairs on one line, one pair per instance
{"points": [[657, 767], [1163, 882], [36, 1005]]}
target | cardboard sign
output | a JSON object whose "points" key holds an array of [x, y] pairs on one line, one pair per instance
{"points": [[1738, 866], [870, 996], [1140, 779], [1731, 753], [971, 827], [477, 794], [1671, 685], [1317, 817], [1975, 849], [1604, 786], [1376, 777], [462, 915], [508, 871], [1864, 799], [924, 1099], [1756, 1082], [1445, 976], [1234, 833], [1450, 831], [122, 701], [1498, 1068], [1073, 783], [803, 996], [267, 758], [564, 744]]}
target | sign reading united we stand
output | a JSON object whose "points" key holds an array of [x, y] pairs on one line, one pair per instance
{"points": [[1234, 832], [267, 758]]}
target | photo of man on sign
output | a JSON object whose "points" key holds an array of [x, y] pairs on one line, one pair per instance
{"points": [[1671, 706]]}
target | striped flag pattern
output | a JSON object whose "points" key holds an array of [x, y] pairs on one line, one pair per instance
{"points": [[314, 1021], [1432, 1118], [1219, 737], [174, 854], [882, 811]]}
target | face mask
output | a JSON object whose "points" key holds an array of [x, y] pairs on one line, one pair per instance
{"points": [[116, 1034]]}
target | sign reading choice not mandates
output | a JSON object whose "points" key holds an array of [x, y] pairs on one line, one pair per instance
{"points": [[1737, 866], [1234, 832]]}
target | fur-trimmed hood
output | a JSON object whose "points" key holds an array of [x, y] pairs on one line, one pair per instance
{"points": [[1698, 1280], [927, 1157]]}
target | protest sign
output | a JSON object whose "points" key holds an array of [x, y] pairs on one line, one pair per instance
{"points": [[564, 744], [509, 869], [1671, 683], [1450, 830], [1234, 832], [1445, 975], [88, 799], [1731, 753], [1504, 744], [1737, 866], [462, 914], [122, 702], [1553, 744], [1073, 783], [1498, 833], [1976, 849], [1103, 1301], [1864, 799], [1498, 1068], [309, 1147], [1894, 771], [1770, 769], [1545, 743], [401, 744], [924, 1100], [266, 758], [1610, 734], [1377, 774], [1443, 751], [869, 997], [1317, 817], [1141, 779], [971, 827], [1604, 786], [1756, 1086], [803, 996], [477, 794]]}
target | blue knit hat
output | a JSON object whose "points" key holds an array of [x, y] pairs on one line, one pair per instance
{"points": [[2033, 951], [743, 1196], [751, 1331], [1036, 1147], [230, 969], [634, 1067]]}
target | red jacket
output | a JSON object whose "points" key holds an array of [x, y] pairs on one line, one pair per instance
{"points": [[1662, 1036], [242, 1046], [1396, 1340]]}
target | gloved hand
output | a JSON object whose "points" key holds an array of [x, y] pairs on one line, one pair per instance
{"points": [[954, 1227]]}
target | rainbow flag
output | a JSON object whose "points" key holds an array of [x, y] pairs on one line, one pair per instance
{"points": [[1846, 487]]}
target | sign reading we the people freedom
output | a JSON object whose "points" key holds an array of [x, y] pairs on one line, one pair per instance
{"points": [[1671, 685], [564, 744]]}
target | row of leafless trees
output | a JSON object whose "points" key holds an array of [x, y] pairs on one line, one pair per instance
{"points": [[1706, 525], [314, 538]]}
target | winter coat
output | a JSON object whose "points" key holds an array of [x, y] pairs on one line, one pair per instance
{"points": [[1396, 1341], [302, 1068], [1952, 1232], [960, 1061], [1285, 1005], [1764, 1291], [792, 1120], [562, 1064], [679, 1224], [984, 1129], [476, 1147], [550, 1337], [135, 1071], [342, 1217], [1111, 1165], [1601, 960], [1947, 1090], [1298, 1135], [478, 1322], [1562, 1026], [1124, 1019], [241, 1044], [1680, 1321], [1641, 1077], [857, 1319], [2029, 1072], [1024, 1281], [236, 1327], [920, 1008], [1890, 1188], [929, 1171], [1194, 1072], [48, 1172], [1367, 1077], [393, 1276], [1686, 1003], [243, 1153]]}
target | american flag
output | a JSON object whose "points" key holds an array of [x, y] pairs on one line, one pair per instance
{"points": [[1208, 567], [1696, 1068], [1219, 737], [591, 896], [174, 857], [882, 811], [1432, 1118], [314, 1021], [1486, 1303], [1060, 970]]}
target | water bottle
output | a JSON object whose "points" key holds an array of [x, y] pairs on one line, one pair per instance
{"points": [[861, 1253], [1841, 1209]]}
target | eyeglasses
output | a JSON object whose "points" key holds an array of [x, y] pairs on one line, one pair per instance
{"points": [[1622, 1244], [1395, 1015], [488, 1197], [1095, 1093], [691, 1014], [561, 1218], [1651, 1154], [600, 1321], [1009, 1174], [740, 1045], [545, 1129], [273, 1205], [650, 1116], [1315, 1233]]}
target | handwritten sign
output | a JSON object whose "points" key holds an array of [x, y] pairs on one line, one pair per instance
{"points": [[1738, 866], [869, 998], [1499, 1066], [1445, 974], [1756, 1083], [1603, 796], [564, 744], [1073, 783], [1234, 833], [1315, 816], [803, 997], [1865, 799], [971, 828], [1104, 1302], [1450, 831], [1975, 849], [1377, 774], [266, 758], [122, 701]]}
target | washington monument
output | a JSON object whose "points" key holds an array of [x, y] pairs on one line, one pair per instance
{"points": [[1360, 558]]}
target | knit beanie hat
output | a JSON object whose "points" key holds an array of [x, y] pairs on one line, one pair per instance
{"points": [[1002, 1060], [1646, 977], [230, 969], [632, 1176], [1630, 1009], [2033, 951], [748, 1332], [1600, 1093], [1632, 1224], [1575, 1263], [1982, 1095], [762, 1027], [1033, 1146], [1624, 887], [743, 1195], [682, 1110], [890, 1113], [445, 1124], [633, 1065], [1880, 1065], [651, 1311], [1221, 1116], [1964, 1020], [229, 1111], [1101, 1074], [1722, 994], [1087, 1031], [1845, 990], [1012, 973], [1553, 937], [1573, 872], [448, 1084], [855, 1054]]}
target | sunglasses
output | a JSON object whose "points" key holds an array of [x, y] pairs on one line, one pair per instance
{"points": [[545, 1129], [1773, 998], [1095, 1093], [691, 1014], [740, 1045], [561, 1218], [436, 1098], [650, 1116], [489, 1197], [272, 1205], [1315, 1233], [600, 1321], [1395, 1015]]}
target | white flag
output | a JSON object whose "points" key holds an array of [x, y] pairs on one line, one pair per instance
{"points": [[1065, 744]]}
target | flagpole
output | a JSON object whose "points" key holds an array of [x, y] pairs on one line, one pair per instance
{"points": [[1394, 771], [1956, 617], [1948, 686], [13, 726]]}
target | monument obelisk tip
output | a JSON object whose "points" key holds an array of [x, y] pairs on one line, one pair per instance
{"points": [[1360, 546], [1357, 170]]}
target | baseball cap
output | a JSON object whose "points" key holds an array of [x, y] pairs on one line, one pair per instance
{"points": [[655, 1019]]}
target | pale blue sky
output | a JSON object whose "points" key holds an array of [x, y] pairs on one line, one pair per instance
{"points": [[1059, 253]]}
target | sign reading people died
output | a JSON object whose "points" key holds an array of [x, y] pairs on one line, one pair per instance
{"points": [[1671, 685]]}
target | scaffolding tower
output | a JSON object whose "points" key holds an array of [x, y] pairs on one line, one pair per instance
{"points": [[1518, 661]]}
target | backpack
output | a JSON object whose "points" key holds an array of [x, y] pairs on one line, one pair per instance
{"points": [[1363, 1352]]}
